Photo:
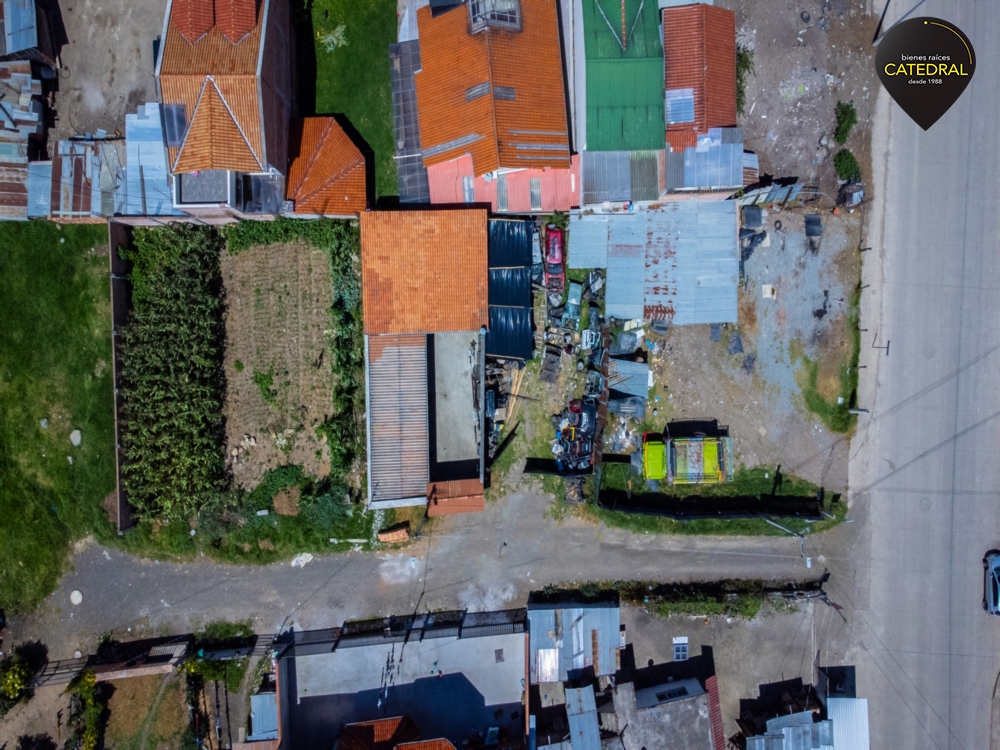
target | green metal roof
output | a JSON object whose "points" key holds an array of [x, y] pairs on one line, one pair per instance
{"points": [[624, 81]]}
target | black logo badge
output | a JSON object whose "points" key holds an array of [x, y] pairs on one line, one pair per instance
{"points": [[925, 65]]}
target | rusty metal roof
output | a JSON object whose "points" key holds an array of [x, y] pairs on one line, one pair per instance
{"points": [[424, 271], [699, 52], [458, 496], [497, 94], [398, 458], [328, 177]]}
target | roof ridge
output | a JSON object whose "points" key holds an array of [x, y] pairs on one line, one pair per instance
{"points": [[335, 176], [314, 157], [187, 131], [239, 127]]}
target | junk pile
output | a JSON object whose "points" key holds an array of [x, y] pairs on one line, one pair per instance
{"points": [[576, 427], [623, 439]]}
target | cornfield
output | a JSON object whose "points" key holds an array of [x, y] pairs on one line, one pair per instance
{"points": [[173, 438]]}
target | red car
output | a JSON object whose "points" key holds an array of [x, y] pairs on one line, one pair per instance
{"points": [[555, 274]]}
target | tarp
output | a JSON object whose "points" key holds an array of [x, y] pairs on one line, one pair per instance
{"points": [[510, 243], [510, 332], [510, 287]]}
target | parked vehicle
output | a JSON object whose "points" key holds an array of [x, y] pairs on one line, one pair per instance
{"points": [[654, 456], [700, 460], [555, 273], [991, 584]]}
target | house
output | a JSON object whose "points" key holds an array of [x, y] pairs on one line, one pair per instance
{"points": [[479, 106], [224, 76], [27, 32], [623, 150], [571, 640], [425, 302], [431, 681], [704, 146], [678, 263]]}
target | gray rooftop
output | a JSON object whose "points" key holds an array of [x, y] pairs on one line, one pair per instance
{"points": [[581, 712], [795, 732], [677, 724], [569, 640], [679, 262], [716, 163]]}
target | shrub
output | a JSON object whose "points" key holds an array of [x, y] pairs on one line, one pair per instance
{"points": [[847, 166], [265, 383], [172, 373], [744, 66], [238, 365], [847, 117], [87, 709]]}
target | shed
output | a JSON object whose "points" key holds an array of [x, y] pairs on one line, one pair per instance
{"points": [[628, 377], [678, 263], [581, 712], [571, 640], [263, 717], [850, 723]]}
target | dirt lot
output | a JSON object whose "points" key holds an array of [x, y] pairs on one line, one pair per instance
{"points": [[278, 299], [147, 712], [801, 70], [759, 393], [107, 63]]}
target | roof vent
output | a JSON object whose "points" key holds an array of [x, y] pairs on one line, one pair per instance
{"points": [[235, 18]]}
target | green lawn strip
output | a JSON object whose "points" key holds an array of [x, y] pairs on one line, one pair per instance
{"points": [[836, 416], [55, 361], [352, 74], [746, 483]]}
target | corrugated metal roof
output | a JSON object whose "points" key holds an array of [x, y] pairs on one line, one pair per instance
{"points": [[716, 162], [850, 723], [328, 175], [397, 416], [683, 256], [581, 712], [567, 641], [797, 732], [427, 745], [629, 377], [559, 189], [624, 83], [699, 50], [20, 25], [145, 190], [424, 271], [263, 717], [39, 189]]}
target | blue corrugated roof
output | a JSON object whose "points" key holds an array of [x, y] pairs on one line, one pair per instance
{"points": [[581, 712], [264, 717], [678, 263], [39, 188], [630, 377], [146, 192], [20, 25], [566, 642]]}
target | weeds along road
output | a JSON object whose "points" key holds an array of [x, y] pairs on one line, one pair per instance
{"points": [[924, 471], [465, 564]]}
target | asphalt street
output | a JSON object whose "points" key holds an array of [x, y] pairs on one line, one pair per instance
{"points": [[924, 475]]}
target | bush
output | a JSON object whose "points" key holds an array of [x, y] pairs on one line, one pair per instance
{"points": [[847, 166], [744, 66], [847, 117], [173, 441], [87, 712]]}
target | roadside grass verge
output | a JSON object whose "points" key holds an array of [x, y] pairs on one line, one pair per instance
{"points": [[754, 482], [55, 365], [352, 74], [836, 416]]}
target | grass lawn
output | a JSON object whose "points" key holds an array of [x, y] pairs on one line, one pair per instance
{"points": [[55, 364], [353, 77]]}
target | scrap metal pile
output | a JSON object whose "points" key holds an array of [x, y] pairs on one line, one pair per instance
{"points": [[576, 428]]}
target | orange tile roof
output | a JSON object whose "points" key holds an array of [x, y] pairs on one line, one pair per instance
{"points": [[427, 745], [699, 52], [496, 132], [457, 496], [424, 271], [329, 175], [381, 734], [192, 18], [216, 81], [235, 18]]}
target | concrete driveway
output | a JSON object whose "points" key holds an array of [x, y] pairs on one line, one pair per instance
{"points": [[924, 475]]}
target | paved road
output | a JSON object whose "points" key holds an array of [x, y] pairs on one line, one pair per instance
{"points": [[924, 471], [462, 563]]}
